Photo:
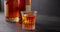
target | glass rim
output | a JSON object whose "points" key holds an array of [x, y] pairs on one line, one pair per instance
{"points": [[28, 11]]}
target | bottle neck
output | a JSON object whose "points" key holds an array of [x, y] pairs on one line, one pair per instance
{"points": [[28, 5]]}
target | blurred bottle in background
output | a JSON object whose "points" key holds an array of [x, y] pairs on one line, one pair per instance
{"points": [[28, 5], [25, 5], [22, 7], [11, 10]]}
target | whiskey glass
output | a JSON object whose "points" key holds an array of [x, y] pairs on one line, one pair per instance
{"points": [[28, 20]]}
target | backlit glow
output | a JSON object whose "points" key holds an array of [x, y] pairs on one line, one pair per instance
{"points": [[30, 1], [16, 19]]}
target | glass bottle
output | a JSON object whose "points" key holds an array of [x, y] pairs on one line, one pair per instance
{"points": [[22, 7], [11, 10], [28, 5], [25, 5]]}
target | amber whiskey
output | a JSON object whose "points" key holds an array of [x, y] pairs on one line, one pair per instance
{"points": [[11, 10]]}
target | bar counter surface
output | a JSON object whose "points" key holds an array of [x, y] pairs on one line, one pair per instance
{"points": [[43, 24]]}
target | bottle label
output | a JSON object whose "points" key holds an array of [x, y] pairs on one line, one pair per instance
{"points": [[28, 7]]}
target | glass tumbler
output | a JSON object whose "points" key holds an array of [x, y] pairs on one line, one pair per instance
{"points": [[28, 20]]}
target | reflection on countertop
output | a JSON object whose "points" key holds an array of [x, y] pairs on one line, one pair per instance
{"points": [[43, 24]]}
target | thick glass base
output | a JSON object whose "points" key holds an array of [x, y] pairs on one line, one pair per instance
{"points": [[28, 27], [12, 20]]}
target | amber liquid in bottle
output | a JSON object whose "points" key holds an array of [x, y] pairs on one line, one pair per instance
{"points": [[21, 8], [12, 11]]}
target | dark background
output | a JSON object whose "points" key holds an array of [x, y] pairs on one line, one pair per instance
{"points": [[0, 5], [44, 7], [47, 7]]}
